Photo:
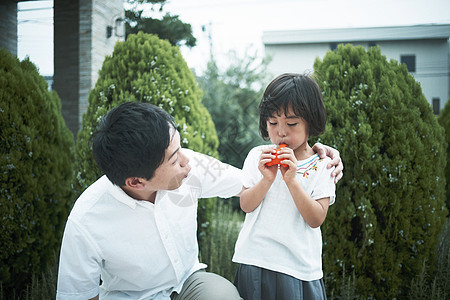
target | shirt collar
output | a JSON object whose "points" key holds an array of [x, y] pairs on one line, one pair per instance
{"points": [[117, 193]]}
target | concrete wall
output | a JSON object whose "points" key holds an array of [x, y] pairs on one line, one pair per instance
{"points": [[81, 45], [8, 25], [66, 59], [296, 58], [95, 16], [432, 65]]}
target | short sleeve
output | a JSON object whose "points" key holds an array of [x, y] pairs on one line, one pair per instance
{"points": [[324, 186], [216, 179], [250, 172], [79, 265]]}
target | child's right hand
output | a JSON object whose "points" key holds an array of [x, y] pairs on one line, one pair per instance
{"points": [[267, 155]]}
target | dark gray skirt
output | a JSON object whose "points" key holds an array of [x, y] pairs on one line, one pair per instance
{"points": [[255, 283]]}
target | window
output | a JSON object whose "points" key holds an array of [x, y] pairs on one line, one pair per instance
{"points": [[372, 44], [410, 61], [333, 46], [436, 106]]}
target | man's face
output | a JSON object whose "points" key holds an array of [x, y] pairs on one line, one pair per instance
{"points": [[175, 167]]}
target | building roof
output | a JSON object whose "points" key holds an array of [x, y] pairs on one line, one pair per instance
{"points": [[368, 34]]}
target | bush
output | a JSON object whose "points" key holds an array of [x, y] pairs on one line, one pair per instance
{"points": [[390, 205], [145, 68], [36, 172], [444, 120], [217, 248]]}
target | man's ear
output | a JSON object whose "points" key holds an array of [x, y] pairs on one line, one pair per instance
{"points": [[135, 183]]}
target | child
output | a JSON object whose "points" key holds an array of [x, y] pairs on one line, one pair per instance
{"points": [[279, 249]]}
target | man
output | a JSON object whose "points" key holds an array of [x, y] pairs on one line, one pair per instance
{"points": [[134, 229]]}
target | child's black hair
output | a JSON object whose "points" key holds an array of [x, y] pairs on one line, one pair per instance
{"points": [[299, 92]]}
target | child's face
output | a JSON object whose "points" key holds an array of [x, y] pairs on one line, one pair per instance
{"points": [[288, 129]]}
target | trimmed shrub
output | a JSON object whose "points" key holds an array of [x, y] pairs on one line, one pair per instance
{"points": [[390, 205], [36, 172], [145, 68], [217, 250], [444, 120]]}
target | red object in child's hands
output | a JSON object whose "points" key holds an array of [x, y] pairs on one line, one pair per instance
{"points": [[276, 160]]}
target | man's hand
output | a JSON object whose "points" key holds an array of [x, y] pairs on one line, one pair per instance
{"points": [[323, 151]]}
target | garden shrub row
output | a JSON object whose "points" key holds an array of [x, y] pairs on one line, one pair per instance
{"points": [[36, 172], [391, 203]]}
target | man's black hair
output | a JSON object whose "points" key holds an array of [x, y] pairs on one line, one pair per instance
{"points": [[299, 92], [131, 140]]}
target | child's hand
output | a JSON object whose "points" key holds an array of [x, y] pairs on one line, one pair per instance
{"points": [[267, 155], [287, 157]]}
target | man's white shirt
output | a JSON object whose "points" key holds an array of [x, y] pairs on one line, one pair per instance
{"points": [[139, 249]]}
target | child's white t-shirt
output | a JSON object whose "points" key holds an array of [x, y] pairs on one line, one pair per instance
{"points": [[275, 236]]}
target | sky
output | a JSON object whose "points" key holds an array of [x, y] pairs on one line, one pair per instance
{"points": [[238, 25]]}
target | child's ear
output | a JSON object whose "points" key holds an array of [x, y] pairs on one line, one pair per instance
{"points": [[135, 183]]}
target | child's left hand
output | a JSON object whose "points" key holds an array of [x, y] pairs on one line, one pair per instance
{"points": [[287, 157]]}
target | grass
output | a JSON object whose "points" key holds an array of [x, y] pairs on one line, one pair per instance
{"points": [[435, 286], [218, 248], [42, 286]]}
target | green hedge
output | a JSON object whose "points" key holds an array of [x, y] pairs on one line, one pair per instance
{"points": [[36, 172], [390, 205], [444, 120], [145, 68]]}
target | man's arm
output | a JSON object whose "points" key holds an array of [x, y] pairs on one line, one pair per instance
{"points": [[323, 151], [217, 179], [79, 272]]}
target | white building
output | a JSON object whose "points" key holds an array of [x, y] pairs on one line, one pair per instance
{"points": [[425, 49]]}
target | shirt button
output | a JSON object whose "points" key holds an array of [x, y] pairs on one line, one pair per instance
{"points": [[176, 260], [166, 236]]}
